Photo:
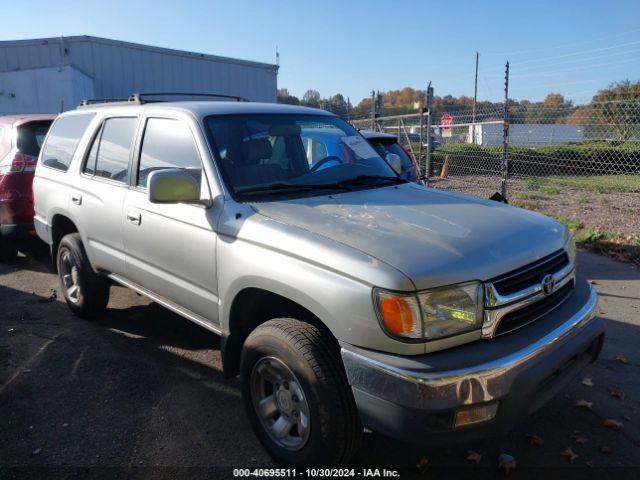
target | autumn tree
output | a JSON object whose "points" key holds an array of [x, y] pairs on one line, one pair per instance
{"points": [[311, 98], [617, 107], [553, 109], [284, 96]]}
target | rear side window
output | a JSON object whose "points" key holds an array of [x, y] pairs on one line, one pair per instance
{"points": [[383, 148], [109, 154], [168, 143], [31, 136], [63, 140]]}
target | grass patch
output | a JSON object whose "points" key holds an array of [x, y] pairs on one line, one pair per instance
{"points": [[550, 190], [594, 235], [593, 239], [532, 196], [596, 183], [572, 225]]}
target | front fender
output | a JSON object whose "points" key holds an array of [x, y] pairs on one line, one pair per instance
{"points": [[343, 304]]}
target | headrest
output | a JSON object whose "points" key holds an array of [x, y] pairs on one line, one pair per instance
{"points": [[255, 150]]}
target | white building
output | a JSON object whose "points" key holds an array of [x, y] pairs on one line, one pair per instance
{"points": [[52, 74]]}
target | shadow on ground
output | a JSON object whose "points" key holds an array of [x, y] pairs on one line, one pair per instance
{"points": [[142, 386]]}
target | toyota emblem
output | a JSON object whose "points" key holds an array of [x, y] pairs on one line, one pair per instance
{"points": [[547, 284]]}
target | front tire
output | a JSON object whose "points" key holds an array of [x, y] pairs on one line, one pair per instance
{"points": [[297, 396], [85, 291], [8, 249]]}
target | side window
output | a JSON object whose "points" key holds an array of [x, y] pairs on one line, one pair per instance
{"points": [[90, 165], [109, 154], [168, 143], [63, 140]]}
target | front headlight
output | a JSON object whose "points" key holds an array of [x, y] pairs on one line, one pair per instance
{"points": [[431, 314], [452, 310]]}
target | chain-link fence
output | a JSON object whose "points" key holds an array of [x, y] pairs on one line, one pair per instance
{"points": [[594, 147], [580, 164]]}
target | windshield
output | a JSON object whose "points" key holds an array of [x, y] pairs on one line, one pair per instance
{"points": [[280, 151]]}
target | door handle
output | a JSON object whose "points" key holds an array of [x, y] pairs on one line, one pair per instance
{"points": [[76, 198], [134, 218]]}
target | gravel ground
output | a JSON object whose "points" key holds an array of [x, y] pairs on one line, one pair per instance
{"points": [[140, 393], [617, 212]]}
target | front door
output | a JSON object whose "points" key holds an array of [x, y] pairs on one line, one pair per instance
{"points": [[171, 248]]}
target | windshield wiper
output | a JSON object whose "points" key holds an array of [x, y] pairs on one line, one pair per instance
{"points": [[363, 179], [290, 187]]}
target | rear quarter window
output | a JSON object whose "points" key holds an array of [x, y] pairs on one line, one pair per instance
{"points": [[63, 140], [31, 136], [384, 147]]}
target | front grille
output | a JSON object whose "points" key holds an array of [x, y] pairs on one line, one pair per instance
{"points": [[530, 313], [531, 274]]}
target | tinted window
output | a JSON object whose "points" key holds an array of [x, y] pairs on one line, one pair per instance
{"points": [[110, 150], [167, 144], [63, 140], [30, 137]]}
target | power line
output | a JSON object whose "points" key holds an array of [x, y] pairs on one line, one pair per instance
{"points": [[583, 67], [583, 42], [602, 49], [579, 60]]}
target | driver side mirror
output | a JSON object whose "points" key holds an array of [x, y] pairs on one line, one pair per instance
{"points": [[394, 161], [173, 185]]}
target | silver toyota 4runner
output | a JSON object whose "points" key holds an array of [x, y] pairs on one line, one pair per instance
{"points": [[344, 296]]}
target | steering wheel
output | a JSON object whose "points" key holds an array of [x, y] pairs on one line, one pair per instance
{"points": [[330, 158]]}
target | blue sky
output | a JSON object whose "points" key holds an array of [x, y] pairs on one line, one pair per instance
{"points": [[568, 46]]}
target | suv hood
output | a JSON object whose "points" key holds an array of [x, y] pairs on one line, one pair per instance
{"points": [[434, 237]]}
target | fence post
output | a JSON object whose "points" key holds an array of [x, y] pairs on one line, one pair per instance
{"points": [[427, 161], [373, 109], [421, 139], [505, 135]]}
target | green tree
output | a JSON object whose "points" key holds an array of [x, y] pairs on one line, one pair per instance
{"points": [[311, 98], [284, 96], [617, 107], [553, 109]]}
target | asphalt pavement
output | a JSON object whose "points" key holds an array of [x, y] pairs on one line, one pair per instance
{"points": [[141, 390]]}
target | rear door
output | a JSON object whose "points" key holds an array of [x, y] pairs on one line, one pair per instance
{"points": [[98, 196], [171, 247]]}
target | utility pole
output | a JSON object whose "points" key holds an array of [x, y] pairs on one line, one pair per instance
{"points": [[475, 99]]}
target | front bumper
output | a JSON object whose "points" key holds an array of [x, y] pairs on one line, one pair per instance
{"points": [[408, 397]]}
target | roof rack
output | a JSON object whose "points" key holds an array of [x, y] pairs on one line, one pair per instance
{"points": [[142, 98], [94, 101]]}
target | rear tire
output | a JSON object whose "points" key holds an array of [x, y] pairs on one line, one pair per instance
{"points": [[85, 291], [304, 384], [8, 249]]}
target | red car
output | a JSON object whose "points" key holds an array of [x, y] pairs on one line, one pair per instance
{"points": [[20, 139]]}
